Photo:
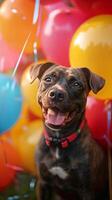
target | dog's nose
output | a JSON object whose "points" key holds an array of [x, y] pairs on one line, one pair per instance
{"points": [[56, 95]]}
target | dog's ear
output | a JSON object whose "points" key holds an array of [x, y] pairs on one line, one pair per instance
{"points": [[37, 70], [94, 81]]}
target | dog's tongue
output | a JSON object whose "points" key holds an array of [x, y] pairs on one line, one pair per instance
{"points": [[55, 118]]}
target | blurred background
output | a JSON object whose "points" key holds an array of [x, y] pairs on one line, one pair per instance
{"points": [[73, 33]]}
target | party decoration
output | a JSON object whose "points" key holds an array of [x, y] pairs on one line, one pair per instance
{"points": [[43, 13], [83, 4], [57, 33], [26, 60], [25, 140], [23, 119], [100, 7], [6, 55], [57, 5], [36, 11], [29, 91], [91, 4], [16, 22], [97, 118], [10, 102], [91, 47], [9, 160], [47, 2]]}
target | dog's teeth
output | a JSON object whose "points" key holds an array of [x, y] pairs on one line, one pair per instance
{"points": [[51, 112], [67, 115]]}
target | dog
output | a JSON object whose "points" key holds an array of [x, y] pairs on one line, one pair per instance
{"points": [[72, 166]]}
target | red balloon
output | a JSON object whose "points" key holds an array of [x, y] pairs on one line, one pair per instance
{"points": [[57, 33], [96, 114], [95, 6], [47, 2], [9, 160], [101, 8], [83, 4]]}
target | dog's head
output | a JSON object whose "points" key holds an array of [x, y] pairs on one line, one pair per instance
{"points": [[63, 91]]}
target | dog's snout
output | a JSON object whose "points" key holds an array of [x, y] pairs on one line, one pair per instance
{"points": [[56, 95]]}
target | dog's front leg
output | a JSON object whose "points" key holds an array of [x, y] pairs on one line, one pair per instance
{"points": [[43, 191], [87, 195]]}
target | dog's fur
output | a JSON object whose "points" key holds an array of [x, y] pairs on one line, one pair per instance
{"points": [[78, 172]]}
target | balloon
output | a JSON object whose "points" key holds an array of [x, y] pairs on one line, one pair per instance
{"points": [[23, 119], [25, 140], [91, 47], [16, 23], [91, 4], [32, 116], [47, 2], [26, 60], [10, 102], [96, 114], [30, 92], [9, 159], [6, 55], [82, 4], [101, 7], [57, 5], [57, 33], [43, 13]]}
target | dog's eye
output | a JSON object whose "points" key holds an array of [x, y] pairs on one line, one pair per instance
{"points": [[73, 81], [76, 83], [48, 79]]}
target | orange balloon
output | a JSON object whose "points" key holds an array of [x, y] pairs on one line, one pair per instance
{"points": [[9, 159], [25, 141], [16, 23]]}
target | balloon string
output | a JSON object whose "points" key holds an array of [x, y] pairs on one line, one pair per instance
{"points": [[39, 20], [36, 11], [35, 18], [35, 52], [20, 56]]}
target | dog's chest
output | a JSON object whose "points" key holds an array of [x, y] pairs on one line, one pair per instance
{"points": [[56, 164], [58, 169]]}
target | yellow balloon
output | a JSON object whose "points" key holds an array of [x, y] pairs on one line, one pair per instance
{"points": [[25, 140], [23, 119], [29, 91], [91, 47]]}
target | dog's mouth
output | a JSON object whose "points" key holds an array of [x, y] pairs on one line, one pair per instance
{"points": [[56, 118]]}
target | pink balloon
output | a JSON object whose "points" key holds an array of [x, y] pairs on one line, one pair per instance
{"points": [[57, 33], [96, 114], [8, 56], [47, 2], [57, 5]]}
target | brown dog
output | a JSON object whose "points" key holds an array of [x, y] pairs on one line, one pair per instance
{"points": [[71, 164]]}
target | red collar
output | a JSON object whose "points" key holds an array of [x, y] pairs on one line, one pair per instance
{"points": [[63, 142]]}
